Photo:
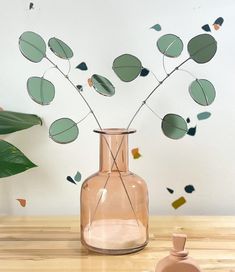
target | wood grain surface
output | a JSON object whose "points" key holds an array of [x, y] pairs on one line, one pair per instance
{"points": [[46, 244]]}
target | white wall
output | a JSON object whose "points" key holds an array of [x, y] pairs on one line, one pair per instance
{"points": [[98, 31]]}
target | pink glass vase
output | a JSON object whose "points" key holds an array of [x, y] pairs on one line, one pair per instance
{"points": [[114, 201]]}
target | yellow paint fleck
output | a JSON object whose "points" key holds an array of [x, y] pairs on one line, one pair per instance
{"points": [[178, 202], [135, 153]]}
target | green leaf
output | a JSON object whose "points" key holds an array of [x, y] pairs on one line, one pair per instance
{"points": [[60, 49], [102, 85], [127, 67], [156, 27], [202, 48], [12, 160], [202, 91], [203, 115], [41, 90], [174, 126], [170, 45], [78, 176], [32, 46], [63, 131], [13, 121]]}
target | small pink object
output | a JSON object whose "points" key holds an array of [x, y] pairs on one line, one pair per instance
{"points": [[178, 260]]}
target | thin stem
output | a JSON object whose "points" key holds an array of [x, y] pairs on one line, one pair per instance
{"points": [[186, 71], [163, 58], [84, 118], [158, 116], [153, 91], [163, 64], [69, 67], [52, 67], [155, 76]]}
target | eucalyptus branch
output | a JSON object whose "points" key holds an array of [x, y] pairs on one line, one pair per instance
{"points": [[144, 103], [153, 91], [98, 123], [84, 99]]}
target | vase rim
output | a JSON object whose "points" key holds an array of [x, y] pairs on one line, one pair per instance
{"points": [[115, 131]]}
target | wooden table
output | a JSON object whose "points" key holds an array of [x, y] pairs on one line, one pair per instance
{"points": [[39, 244]]}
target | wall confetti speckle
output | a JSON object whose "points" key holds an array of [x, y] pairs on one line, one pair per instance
{"points": [[178, 202]]}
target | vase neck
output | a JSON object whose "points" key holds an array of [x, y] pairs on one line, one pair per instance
{"points": [[113, 144]]}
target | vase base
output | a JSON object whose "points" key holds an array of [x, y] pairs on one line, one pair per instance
{"points": [[115, 251], [115, 236]]}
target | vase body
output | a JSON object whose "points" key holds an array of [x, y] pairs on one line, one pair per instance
{"points": [[114, 201]]}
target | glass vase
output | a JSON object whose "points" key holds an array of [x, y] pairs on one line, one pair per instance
{"points": [[114, 201]]}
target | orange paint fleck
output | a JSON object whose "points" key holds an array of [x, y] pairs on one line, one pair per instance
{"points": [[135, 153], [22, 201], [216, 27], [90, 83]]}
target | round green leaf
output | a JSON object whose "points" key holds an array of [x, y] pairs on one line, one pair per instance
{"points": [[174, 126], [41, 90], [202, 91], [64, 131], [32, 46], [127, 67], [170, 45], [102, 85], [202, 48], [60, 49]]}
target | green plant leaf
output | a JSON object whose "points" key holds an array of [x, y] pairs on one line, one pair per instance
{"points": [[63, 131], [13, 121], [127, 67], [41, 90], [32, 46], [174, 126], [102, 85], [202, 91], [202, 48], [170, 45], [60, 49], [12, 160]]}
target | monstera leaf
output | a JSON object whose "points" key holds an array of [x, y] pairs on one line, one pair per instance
{"points": [[12, 160]]}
